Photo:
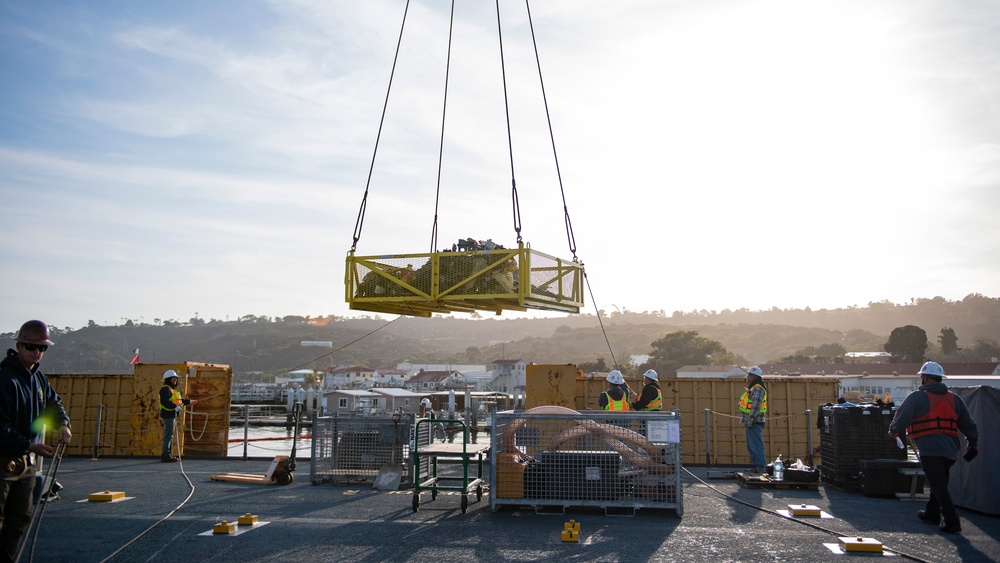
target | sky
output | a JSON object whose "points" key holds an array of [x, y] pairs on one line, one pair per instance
{"points": [[167, 160]]}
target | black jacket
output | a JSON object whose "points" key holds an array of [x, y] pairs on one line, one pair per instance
{"points": [[24, 397]]}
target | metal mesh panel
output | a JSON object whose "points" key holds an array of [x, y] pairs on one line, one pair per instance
{"points": [[602, 459], [347, 448]]}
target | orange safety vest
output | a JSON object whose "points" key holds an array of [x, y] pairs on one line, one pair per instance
{"points": [[941, 417], [175, 398], [656, 404], [614, 405], [746, 404]]}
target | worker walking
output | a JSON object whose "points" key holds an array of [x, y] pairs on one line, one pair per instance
{"points": [[26, 397], [650, 399], [170, 406], [933, 416], [616, 397], [753, 409]]}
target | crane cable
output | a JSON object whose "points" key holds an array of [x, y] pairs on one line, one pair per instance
{"points": [[364, 200], [444, 112], [510, 141], [571, 239]]}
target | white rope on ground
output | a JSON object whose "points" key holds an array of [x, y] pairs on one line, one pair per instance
{"points": [[794, 519], [180, 464]]}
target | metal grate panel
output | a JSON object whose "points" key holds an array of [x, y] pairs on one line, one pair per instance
{"points": [[355, 448], [601, 459]]}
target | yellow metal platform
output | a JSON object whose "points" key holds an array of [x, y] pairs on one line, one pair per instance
{"points": [[464, 281]]}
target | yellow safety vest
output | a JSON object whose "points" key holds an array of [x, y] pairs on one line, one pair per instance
{"points": [[175, 398], [746, 403], [614, 405], [656, 404]]}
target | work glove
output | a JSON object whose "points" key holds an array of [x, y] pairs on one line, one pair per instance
{"points": [[177, 408], [971, 452]]}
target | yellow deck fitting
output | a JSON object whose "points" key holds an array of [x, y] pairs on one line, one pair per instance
{"points": [[224, 527], [247, 519], [860, 544], [106, 496], [571, 531], [803, 510]]}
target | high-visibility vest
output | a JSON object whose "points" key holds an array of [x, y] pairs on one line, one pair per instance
{"points": [[620, 405], [941, 418], [656, 404], [746, 404], [175, 398]]}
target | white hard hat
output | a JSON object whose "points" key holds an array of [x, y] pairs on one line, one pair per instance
{"points": [[651, 373], [168, 374], [754, 370], [615, 377], [932, 369]]}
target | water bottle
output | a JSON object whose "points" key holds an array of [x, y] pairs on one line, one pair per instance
{"points": [[779, 469]]}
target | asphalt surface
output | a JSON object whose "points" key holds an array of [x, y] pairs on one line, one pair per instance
{"points": [[305, 522]]}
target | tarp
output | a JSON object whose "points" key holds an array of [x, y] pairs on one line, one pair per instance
{"points": [[976, 485]]}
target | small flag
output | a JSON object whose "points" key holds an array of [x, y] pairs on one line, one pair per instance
{"points": [[135, 356]]}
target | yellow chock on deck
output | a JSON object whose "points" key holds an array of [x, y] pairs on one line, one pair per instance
{"points": [[803, 510], [860, 544], [571, 531], [106, 496], [224, 527], [247, 519]]}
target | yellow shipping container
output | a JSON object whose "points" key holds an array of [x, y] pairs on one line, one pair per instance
{"points": [[129, 410]]}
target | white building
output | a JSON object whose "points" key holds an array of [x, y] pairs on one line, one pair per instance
{"points": [[509, 375]]}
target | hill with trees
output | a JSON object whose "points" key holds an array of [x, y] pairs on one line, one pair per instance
{"points": [[965, 330]]}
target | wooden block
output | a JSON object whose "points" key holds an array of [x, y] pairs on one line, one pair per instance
{"points": [[860, 544], [570, 535], [106, 496], [224, 527], [803, 510], [247, 519]]}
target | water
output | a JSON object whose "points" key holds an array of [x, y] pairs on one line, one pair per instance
{"points": [[268, 442]]}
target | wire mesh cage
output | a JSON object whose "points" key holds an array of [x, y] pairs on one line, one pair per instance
{"points": [[601, 459], [852, 434], [347, 449], [464, 280]]}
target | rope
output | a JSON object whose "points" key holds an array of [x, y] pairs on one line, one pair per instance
{"points": [[548, 118], [364, 200], [510, 142], [180, 463], [356, 340], [444, 112], [36, 519], [797, 520], [601, 322]]}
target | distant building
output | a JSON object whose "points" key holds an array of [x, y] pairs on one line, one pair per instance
{"points": [[509, 375], [430, 381], [720, 371], [353, 377], [389, 377]]}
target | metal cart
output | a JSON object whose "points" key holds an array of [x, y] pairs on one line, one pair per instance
{"points": [[434, 482]]}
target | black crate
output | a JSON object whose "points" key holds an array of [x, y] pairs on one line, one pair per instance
{"points": [[574, 475], [881, 477], [853, 434]]}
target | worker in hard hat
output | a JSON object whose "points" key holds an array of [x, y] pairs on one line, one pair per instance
{"points": [[170, 406], [932, 417], [650, 399], [616, 397], [26, 397], [753, 409]]}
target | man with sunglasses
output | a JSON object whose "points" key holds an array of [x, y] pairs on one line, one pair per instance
{"points": [[27, 401]]}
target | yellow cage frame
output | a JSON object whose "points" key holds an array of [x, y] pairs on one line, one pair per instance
{"points": [[463, 282]]}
